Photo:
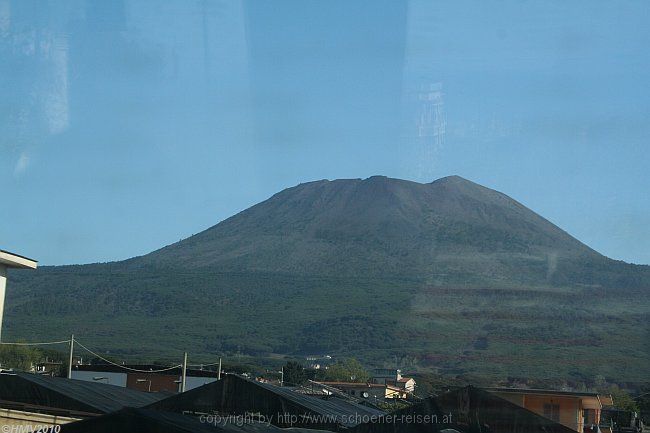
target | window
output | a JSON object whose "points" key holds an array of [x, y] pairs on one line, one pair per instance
{"points": [[552, 411]]}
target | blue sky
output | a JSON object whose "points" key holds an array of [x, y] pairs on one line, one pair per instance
{"points": [[128, 125]]}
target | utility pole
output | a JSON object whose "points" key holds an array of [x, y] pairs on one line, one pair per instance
{"points": [[219, 371], [184, 372], [70, 357], [282, 376]]}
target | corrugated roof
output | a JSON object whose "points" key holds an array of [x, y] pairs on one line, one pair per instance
{"points": [[151, 421], [331, 406], [71, 394], [235, 394]]}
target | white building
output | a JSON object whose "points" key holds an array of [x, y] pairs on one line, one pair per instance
{"points": [[10, 260], [141, 379], [394, 378]]}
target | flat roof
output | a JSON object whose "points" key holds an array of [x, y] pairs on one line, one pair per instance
{"points": [[12, 260], [543, 391], [602, 399]]}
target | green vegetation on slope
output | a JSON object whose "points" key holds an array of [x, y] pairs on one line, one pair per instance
{"points": [[449, 276]]}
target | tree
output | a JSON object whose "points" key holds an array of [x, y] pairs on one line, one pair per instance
{"points": [[294, 373], [622, 400], [643, 401], [18, 357], [345, 370]]}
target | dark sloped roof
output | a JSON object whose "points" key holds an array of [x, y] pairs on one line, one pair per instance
{"points": [[135, 420], [237, 395], [70, 394], [331, 406], [472, 410]]}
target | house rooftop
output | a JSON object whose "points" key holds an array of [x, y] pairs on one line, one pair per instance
{"points": [[405, 379], [604, 398], [12, 260], [358, 384], [542, 391]]}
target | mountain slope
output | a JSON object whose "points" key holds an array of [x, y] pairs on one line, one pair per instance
{"points": [[448, 274], [451, 229]]}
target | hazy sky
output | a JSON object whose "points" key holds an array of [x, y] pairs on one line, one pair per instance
{"points": [[128, 125]]}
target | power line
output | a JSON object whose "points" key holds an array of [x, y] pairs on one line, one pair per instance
{"points": [[123, 366], [36, 344], [203, 365], [100, 356]]}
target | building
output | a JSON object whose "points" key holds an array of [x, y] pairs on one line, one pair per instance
{"points": [[575, 410], [10, 260], [394, 378], [317, 362], [53, 368], [373, 391], [143, 380]]}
